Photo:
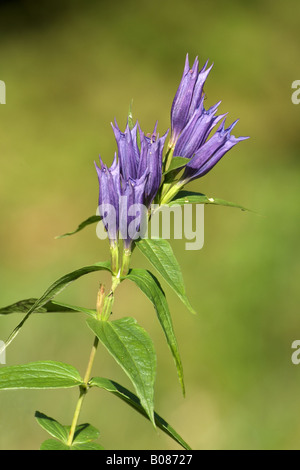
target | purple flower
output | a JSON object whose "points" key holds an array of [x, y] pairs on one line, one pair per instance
{"points": [[129, 186], [151, 162], [128, 151], [187, 98], [133, 211], [109, 193], [192, 125], [197, 130], [136, 162], [210, 153]]}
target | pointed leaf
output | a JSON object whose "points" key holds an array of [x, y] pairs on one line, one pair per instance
{"points": [[83, 436], [132, 400], [190, 197], [52, 444], [91, 220], [84, 433], [39, 375], [148, 283], [176, 163], [53, 427], [58, 307], [133, 350], [50, 307], [160, 254], [57, 287], [87, 446], [22, 306]]}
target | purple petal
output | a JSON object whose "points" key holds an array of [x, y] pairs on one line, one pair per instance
{"points": [[108, 200], [183, 98], [188, 97], [210, 153], [127, 151], [198, 90], [196, 131]]}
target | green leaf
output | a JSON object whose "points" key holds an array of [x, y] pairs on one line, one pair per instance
{"points": [[39, 375], [132, 348], [59, 307], [87, 446], [57, 287], [22, 306], [148, 283], [91, 220], [132, 400], [53, 427], [190, 197], [52, 444], [176, 163], [83, 437], [160, 254], [84, 433], [50, 307]]}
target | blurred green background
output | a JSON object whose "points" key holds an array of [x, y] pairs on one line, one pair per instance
{"points": [[70, 68]]}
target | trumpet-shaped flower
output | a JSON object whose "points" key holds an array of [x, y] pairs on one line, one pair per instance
{"points": [[188, 97], [208, 155], [197, 130], [192, 125]]}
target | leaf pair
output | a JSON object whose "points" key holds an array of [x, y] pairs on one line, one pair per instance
{"points": [[132, 347], [84, 437], [159, 253], [43, 302], [55, 375]]}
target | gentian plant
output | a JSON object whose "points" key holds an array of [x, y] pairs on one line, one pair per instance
{"points": [[144, 174]]}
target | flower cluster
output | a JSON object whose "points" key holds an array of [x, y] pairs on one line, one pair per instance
{"points": [[192, 125], [132, 181], [136, 175]]}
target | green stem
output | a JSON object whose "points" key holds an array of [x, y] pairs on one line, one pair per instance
{"points": [[104, 305], [171, 192], [109, 299], [169, 177], [84, 387], [126, 262], [76, 416], [168, 158], [114, 251], [107, 307], [91, 361], [100, 300], [83, 392]]}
